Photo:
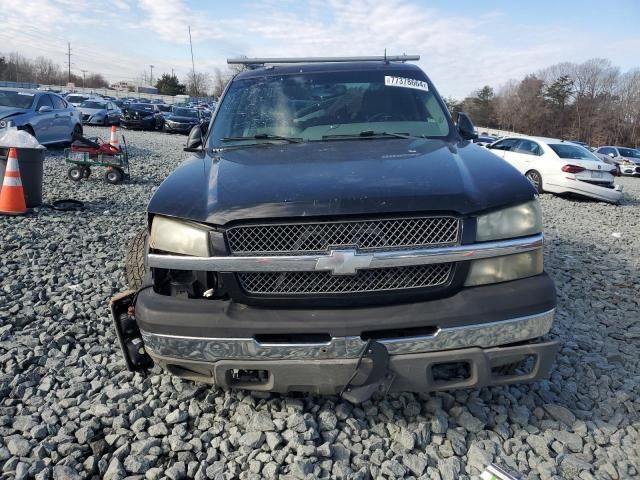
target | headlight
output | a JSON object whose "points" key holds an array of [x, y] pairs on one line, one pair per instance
{"points": [[519, 221], [178, 236], [3, 123], [503, 269]]}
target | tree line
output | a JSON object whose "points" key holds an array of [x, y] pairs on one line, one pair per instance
{"points": [[15, 67], [198, 84], [591, 101]]}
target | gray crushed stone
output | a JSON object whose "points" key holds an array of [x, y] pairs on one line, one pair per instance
{"points": [[69, 409]]}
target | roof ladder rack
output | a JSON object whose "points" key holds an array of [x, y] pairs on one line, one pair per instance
{"points": [[263, 61]]}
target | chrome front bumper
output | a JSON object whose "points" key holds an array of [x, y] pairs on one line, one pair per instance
{"points": [[484, 335]]}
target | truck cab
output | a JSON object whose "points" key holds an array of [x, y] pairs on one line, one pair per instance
{"points": [[336, 232]]}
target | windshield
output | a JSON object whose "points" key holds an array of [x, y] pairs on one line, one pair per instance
{"points": [[142, 106], [629, 152], [185, 112], [318, 106], [164, 108], [76, 98], [576, 152], [15, 99], [98, 105]]}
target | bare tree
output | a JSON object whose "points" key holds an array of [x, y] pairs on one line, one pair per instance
{"points": [[507, 109], [198, 85], [46, 71]]}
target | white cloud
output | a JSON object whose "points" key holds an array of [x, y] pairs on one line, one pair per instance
{"points": [[460, 52], [169, 20]]}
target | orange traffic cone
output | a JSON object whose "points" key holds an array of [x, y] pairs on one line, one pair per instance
{"points": [[12, 194], [114, 137]]}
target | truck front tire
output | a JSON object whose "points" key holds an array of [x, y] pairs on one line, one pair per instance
{"points": [[134, 262]]}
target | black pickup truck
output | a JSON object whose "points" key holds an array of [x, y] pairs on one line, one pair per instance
{"points": [[335, 232]]}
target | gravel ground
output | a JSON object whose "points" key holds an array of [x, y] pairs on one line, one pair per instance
{"points": [[69, 409]]}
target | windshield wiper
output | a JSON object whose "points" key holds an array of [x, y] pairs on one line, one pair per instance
{"points": [[369, 134], [262, 136]]}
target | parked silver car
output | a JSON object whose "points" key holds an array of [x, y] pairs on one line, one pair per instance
{"points": [[76, 99], [100, 112], [45, 115], [627, 159]]}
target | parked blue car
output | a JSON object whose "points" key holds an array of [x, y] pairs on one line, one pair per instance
{"points": [[45, 115]]}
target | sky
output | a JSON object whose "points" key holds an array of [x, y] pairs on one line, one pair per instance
{"points": [[463, 44]]}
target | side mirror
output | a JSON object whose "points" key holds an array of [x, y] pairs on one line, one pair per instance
{"points": [[45, 109], [466, 129], [489, 146], [194, 141]]}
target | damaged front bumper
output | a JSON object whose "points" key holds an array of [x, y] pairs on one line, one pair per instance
{"points": [[352, 366]]}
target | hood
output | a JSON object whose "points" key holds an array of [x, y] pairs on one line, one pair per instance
{"points": [[362, 177], [138, 112], [632, 160], [92, 111], [7, 112], [175, 118]]}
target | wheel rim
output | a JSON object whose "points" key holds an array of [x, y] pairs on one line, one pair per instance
{"points": [[112, 176], [75, 174], [534, 178]]}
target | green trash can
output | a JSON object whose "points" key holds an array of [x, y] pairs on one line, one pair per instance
{"points": [[30, 162]]}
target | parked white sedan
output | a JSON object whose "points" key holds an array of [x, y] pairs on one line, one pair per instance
{"points": [[559, 166]]}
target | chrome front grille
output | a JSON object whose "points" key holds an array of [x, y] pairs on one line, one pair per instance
{"points": [[365, 235], [373, 280]]}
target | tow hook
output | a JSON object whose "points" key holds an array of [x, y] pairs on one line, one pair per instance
{"points": [[129, 336], [370, 377]]}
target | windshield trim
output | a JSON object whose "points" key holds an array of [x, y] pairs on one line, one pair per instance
{"points": [[452, 132]]}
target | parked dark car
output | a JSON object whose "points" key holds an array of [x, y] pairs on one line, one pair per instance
{"points": [[335, 232], [164, 109], [182, 120], [484, 140], [141, 116]]}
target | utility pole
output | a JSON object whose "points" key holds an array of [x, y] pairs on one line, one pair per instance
{"points": [[193, 65], [83, 74], [172, 74], [151, 76], [69, 62]]}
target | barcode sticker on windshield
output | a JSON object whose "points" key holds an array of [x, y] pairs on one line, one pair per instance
{"points": [[390, 81]]}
